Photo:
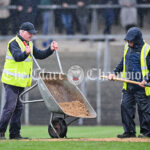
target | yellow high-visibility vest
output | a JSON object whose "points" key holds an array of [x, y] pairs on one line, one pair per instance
{"points": [[18, 73], [144, 52]]}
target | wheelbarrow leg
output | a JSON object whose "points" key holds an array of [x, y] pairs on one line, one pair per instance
{"points": [[51, 118]]}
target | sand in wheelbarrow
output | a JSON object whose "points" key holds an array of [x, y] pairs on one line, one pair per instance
{"points": [[70, 102], [74, 108]]}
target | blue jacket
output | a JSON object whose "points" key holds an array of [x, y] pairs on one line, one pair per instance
{"points": [[133, 62]]}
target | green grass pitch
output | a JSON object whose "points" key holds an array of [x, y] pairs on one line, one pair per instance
{"points": [[41, 132]]}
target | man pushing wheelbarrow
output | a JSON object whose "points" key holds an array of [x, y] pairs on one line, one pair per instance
{"points": [[17, 75]]}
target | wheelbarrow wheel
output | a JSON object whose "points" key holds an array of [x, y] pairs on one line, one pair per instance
{"points": [[60, 126]]}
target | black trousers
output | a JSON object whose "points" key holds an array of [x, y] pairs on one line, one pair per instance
{"points": [[128, 109], [12, 110]]}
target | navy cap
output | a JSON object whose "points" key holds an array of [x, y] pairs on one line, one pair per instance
{"points": [[29, 27]]}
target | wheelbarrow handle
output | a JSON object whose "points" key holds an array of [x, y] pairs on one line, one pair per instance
{"points": [[35, 61], [59, 63], [23, 93], [33, 57], [125, 80]]}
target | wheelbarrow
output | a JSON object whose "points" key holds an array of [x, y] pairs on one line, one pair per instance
{"points": [[60, 97]]}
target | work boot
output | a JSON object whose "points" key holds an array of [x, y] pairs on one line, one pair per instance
{"points": [[17, 137], [143, 136], [126, 135], [2, 136]]}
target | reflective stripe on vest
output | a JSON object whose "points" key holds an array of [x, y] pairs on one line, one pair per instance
{"points": [[15, 74], [144, 52], [12, 58], [144, 68]]}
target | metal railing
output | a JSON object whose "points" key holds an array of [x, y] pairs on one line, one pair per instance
{"points": [[93, 8]]}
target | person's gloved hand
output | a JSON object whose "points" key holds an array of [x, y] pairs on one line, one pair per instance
{"points": [[54, 45], [111, 76], [142, 83], [27, 48]]}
